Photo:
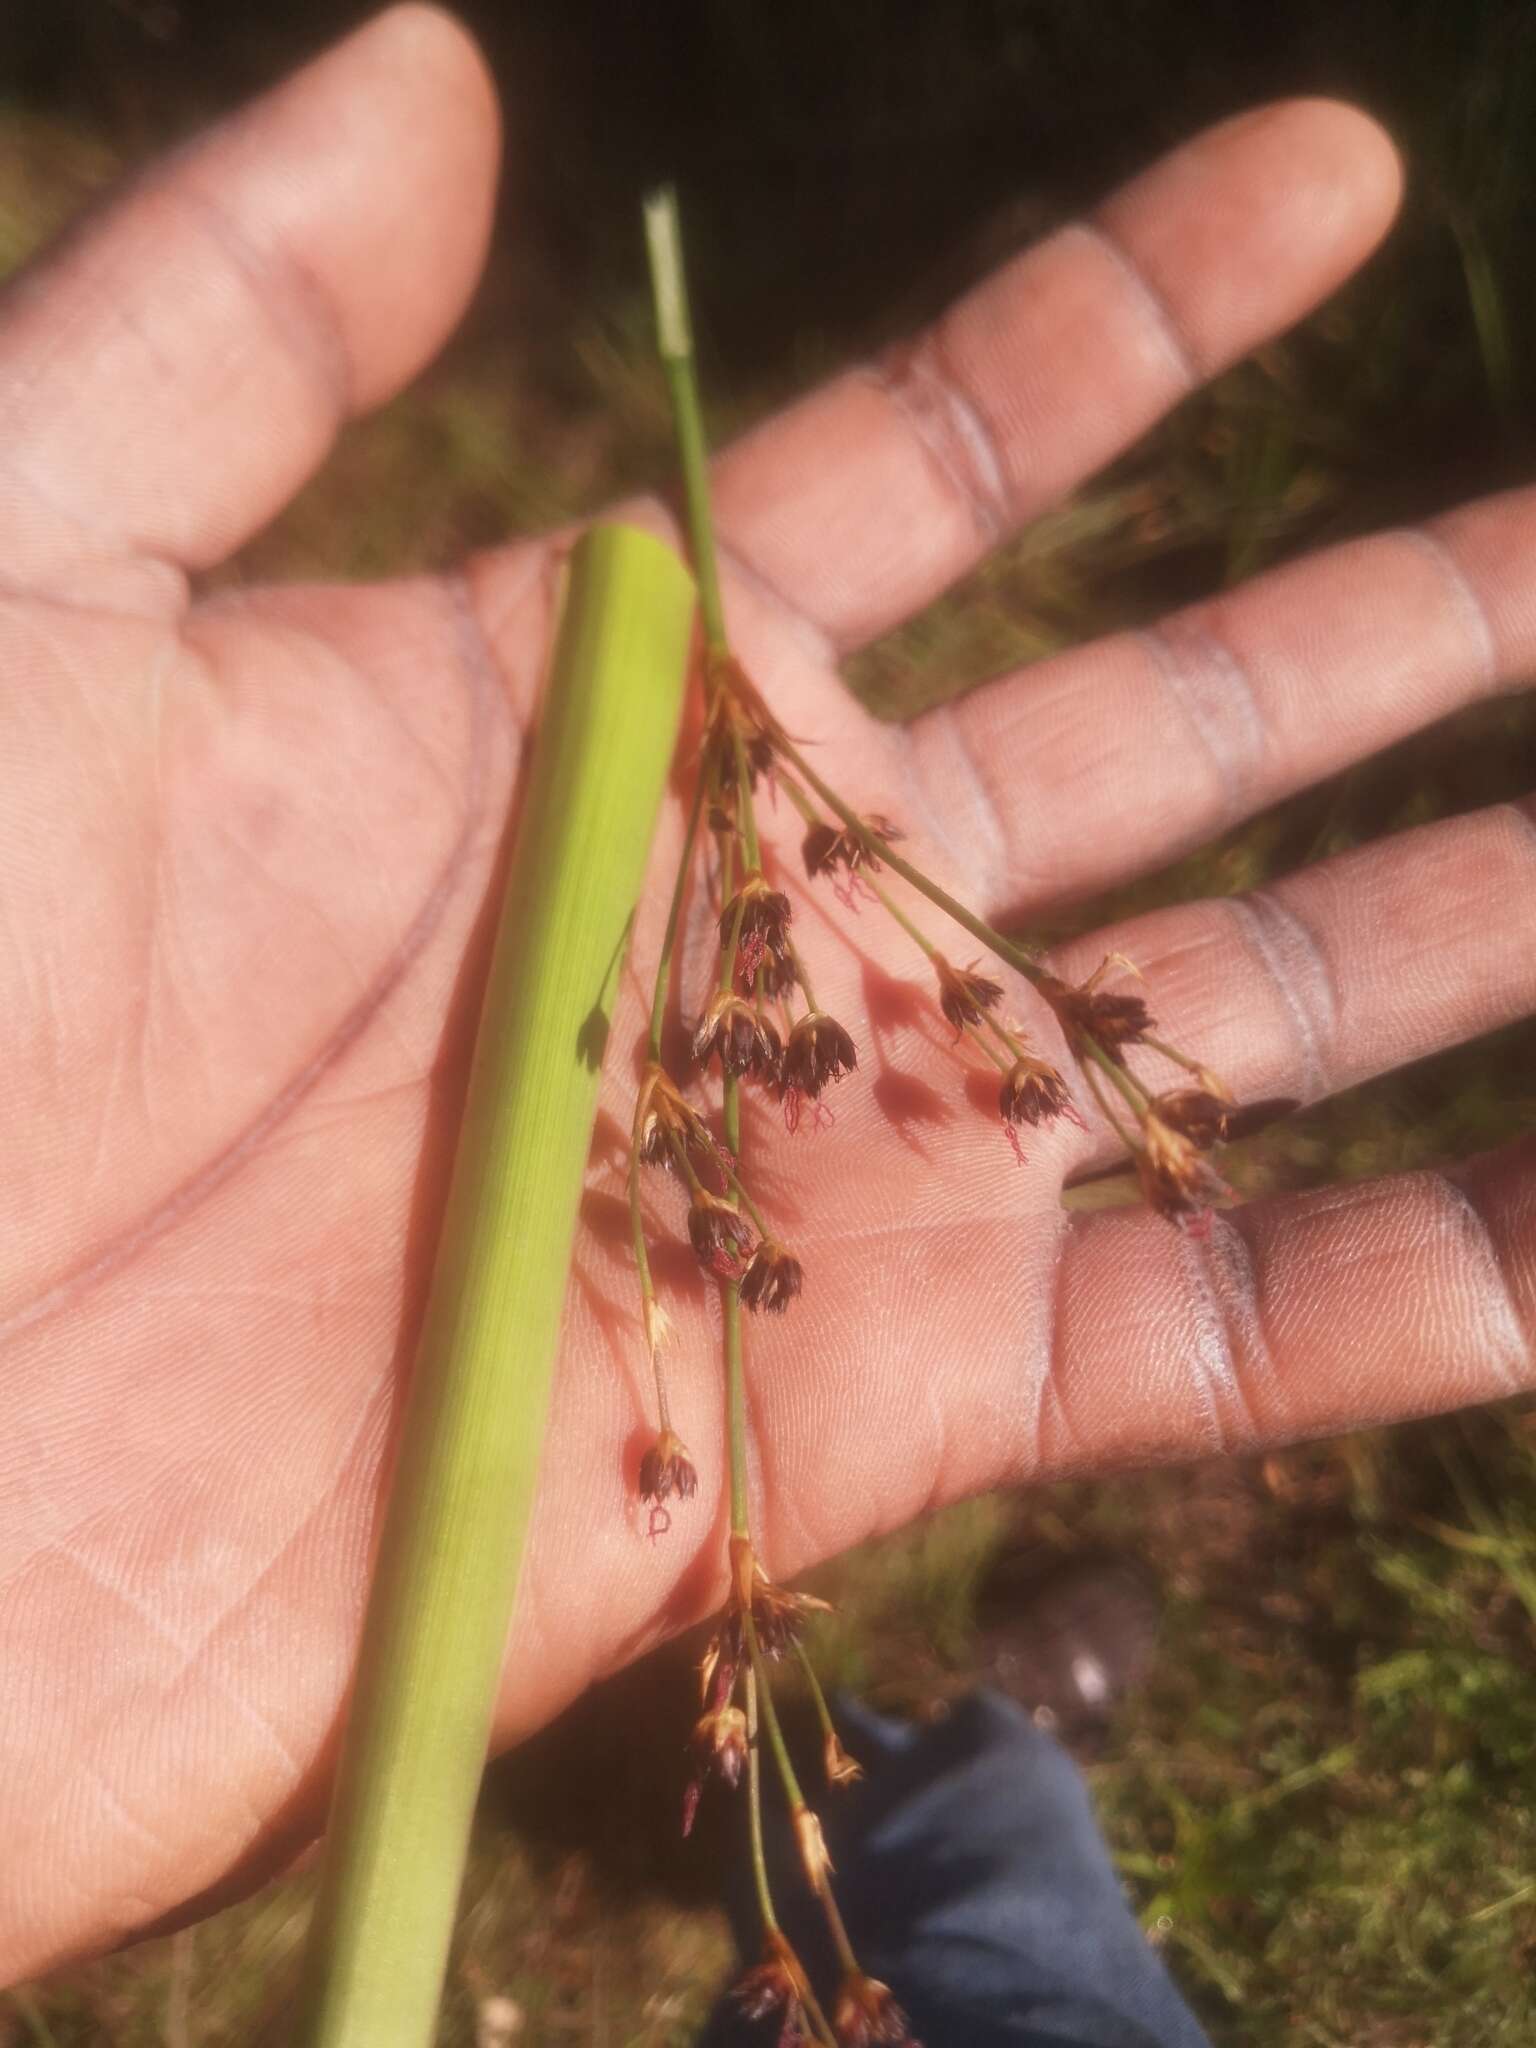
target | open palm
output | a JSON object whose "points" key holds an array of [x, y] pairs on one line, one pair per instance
{"points": [[248, 843]]}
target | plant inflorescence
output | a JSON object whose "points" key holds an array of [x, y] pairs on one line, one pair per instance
{"points": [[760, 1026]]}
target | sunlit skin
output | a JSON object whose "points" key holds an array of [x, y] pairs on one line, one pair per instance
{"points": [[249, 845]]}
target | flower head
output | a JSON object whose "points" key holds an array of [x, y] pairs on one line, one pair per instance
{"points": [[717, 1671], [840, 1767], [1033, 1092], [772, 1280], [664, 1121], [764, 914], [826, 848], [778, 977], [812, 1845], [817, 1051], [1196, 1114], [1090, 1015], [746, 1042], [778, 1615], [1176, 1178], [775, 1989], [666, 1469], [964, 994], [720, 1235], [740, 713], [867, 2016], [718, 1749]]}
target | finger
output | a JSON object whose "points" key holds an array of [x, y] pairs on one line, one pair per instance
{"points": [[1349, 968], [866, 499], [1108, 761], [173, 372], [1330, 1311]]}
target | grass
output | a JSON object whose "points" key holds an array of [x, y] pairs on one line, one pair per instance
{"points": [[1324, 1800]]}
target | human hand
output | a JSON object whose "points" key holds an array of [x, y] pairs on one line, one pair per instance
{"points": [[249, 842]]}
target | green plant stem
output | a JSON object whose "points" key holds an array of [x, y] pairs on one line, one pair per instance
{"points": [[748, 813], [1011, 950], [435, 1634], [884, 896], [674, 915], [737, 1188], [1096, 1088], [789, 1778], [647, 1286], [729, 950], [802, 979], [818, 1697], [1136, 1096], [755, 1810], [735, 1407], [674, 341]]}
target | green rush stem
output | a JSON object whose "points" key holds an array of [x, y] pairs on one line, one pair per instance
{"points": [[1130, 1088], [735, 1373], [729, 950], [1180, 1059], [918, 938], [674, 341], [733, 1180], [1003, 1066], [1096, 1088], [769, 1918], [755, 1809], [791, 1783], [647, 1288], [804, 981], [818, 1697], [1003, 1035], [750, 848], [674, 914], [1009, 950]]}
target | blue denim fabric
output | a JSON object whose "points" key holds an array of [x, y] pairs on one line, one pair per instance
{"points": [[975, 1882]]}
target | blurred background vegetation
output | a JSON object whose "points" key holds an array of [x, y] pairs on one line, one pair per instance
{"points": [[1324, 1798]]}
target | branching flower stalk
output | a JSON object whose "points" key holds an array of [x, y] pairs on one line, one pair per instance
{"points": [[763, 1028]]}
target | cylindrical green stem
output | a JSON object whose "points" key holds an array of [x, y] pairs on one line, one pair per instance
{"points": [[674, 914], [443, 1587], [1011, 950], [735, 1406], [674, 340], [755, 1809]]}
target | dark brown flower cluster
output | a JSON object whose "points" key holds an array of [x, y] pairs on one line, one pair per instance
{"points": [[1033, 1092], [758, 918], [721, 1236], [1177, 1178], [718, 1749], [738, 716], [1098, 1018], [772, 1279], [1177, 1129], [833, 849], [778, 1615], [867, 2016], [667, 1469], [776, 1989], [736, 1032], [668, 1130], [965, 996], [818, 1051]]}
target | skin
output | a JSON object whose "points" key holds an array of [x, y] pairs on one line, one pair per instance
{"points": [[248, 846]]}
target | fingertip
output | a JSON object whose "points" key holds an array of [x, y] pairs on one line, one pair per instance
{"points": [[1339, 151], [1256, 219], [377, 166]]}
